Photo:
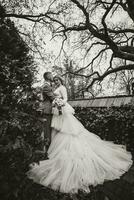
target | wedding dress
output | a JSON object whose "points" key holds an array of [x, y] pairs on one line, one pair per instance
{"points": [[77, 157]]}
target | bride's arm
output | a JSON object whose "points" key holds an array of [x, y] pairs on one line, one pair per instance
{"points": [[63, 92]]}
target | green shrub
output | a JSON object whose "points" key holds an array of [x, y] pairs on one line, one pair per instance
{"points": [[20, 128], [114, 124]]}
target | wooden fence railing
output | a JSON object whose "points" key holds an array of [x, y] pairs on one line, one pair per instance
{"points": [[110, 101]]}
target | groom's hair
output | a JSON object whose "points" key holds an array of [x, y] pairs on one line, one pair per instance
{"points": [[45, 75]]}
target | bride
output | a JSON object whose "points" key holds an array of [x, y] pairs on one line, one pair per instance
{"points": [[77, 157]]}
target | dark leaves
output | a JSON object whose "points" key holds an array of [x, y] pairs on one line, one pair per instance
{"points": [[115, 123]]}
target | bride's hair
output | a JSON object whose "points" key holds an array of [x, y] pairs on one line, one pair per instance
{"points": [[60, 78]]}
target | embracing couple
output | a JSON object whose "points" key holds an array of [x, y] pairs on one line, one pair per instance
{"points": [[54, 103], [77, 158]]}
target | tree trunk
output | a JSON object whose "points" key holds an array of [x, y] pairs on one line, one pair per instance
{"points": [[130, 4]]}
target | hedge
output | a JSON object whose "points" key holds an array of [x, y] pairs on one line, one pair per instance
{"points": [[114, 123]]}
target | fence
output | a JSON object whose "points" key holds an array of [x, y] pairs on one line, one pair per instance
{"points": [[110, 101]]}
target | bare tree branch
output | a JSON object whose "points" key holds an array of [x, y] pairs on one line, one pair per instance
{"points": [[91, 63], [117, 37], [116, 50], [114, 70]]}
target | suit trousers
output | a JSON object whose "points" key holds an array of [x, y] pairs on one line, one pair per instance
{"points": [[47, 128]]}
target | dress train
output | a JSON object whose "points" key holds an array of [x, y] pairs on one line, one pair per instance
{"points": [[79, 158]]}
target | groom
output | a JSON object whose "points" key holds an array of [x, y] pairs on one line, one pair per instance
{"points": [[48, 97]]}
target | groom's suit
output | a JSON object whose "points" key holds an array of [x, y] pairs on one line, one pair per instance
{"points": [[48, 97]]}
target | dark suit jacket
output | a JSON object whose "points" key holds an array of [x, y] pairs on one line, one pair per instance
{"points": [[48, 97]]}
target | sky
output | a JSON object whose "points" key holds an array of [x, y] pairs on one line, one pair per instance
{"points": [[50, 48]]}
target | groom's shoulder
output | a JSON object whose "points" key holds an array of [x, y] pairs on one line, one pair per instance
{"points": [[46, 85]]}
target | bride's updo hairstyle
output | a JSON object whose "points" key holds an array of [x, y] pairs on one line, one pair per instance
{"points": [[60, 78]]}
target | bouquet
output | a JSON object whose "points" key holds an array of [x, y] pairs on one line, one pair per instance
{"points": [[58, 103]]}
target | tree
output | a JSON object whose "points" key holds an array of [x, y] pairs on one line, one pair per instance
{"points": [[126, 80], [123, 80], [78, 19], [17, 68], [20, 132], [75, 84]]}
